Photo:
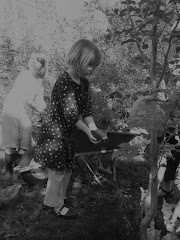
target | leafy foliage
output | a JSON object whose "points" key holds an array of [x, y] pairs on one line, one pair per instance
{"points": [[7, 53]]}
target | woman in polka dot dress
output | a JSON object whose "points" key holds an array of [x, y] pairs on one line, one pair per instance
{"points": [[70, 102]]}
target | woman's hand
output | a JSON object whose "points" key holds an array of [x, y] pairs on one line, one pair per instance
{"points": [[83, 127], [99, 134], [91, 137]]}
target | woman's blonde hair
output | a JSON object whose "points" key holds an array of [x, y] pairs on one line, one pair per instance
{"points": [[83, 53], [42, 58]]}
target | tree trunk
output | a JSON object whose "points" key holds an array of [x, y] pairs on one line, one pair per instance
{"points": [[153, 179], [152, 194]]}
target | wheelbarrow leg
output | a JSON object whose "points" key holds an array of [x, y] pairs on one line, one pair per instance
{"points": [[82, 170], [114, 169]]}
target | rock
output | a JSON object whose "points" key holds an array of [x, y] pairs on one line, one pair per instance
{"points": [[9, 195]]}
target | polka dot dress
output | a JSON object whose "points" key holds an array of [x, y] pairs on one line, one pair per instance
{"points": [[56, 144]]}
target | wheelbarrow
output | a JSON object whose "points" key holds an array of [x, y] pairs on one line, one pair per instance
{"points": [[33, 173]]}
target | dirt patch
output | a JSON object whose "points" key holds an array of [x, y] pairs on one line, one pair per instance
{"points": [[108, 212]]}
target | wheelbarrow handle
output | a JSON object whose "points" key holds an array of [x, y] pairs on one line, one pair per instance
{"points": [[32, 166]]}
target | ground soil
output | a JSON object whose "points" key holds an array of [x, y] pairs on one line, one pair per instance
{"points": [[108, 212]]}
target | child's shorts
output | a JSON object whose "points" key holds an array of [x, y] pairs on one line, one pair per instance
{"points": [[16, 131]]}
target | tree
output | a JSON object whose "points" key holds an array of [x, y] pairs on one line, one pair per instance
{"points": [[7, 54], [148, 28]]}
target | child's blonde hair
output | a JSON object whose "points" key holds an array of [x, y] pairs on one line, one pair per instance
{"points": [[83, 53], [42, 58]]}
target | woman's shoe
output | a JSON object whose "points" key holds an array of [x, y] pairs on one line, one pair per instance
{"points": [[67, 213]]}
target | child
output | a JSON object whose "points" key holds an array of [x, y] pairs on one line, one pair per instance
{"points": [[166, 187], [109, 116], [70, 100], [17, 111], [108, 120]]}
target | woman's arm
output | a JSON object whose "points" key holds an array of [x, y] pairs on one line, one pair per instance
{"points": [[90, 123], [68, 105], [80, 125]]}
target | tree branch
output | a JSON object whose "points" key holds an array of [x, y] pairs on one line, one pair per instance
{"points": [[29, 4], [167, 53], [135, 38]]}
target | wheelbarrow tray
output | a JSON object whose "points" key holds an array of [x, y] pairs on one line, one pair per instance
{"points": [[83, 144]]}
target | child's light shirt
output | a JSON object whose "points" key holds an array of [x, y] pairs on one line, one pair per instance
{"points": [[25, 89], [105, 118], [108, 114]]}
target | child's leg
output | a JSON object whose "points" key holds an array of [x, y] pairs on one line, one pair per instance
{"points": [[169, 175], [10, 140], [67, 177], [10, 154], [25, 134], [166, 185], [19, 155], [25, 137], [54, 196], [175, 163], [55, 191]]}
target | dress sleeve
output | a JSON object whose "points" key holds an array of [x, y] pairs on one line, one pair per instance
{"points": [[64, 97], [87, 103]]}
